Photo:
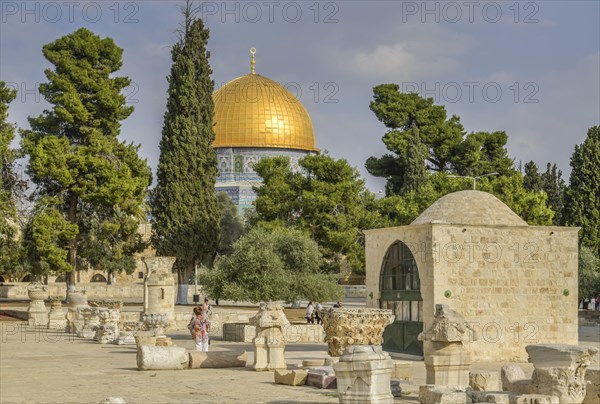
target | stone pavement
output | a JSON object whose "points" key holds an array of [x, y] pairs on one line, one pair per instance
{"points": [[43, 366]]}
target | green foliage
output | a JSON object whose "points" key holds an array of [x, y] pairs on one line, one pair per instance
{"points": [[532, 180], [555, 187], [10, 185], [531, 206], [416, 170], [46, 238], [75, 156], [269, 265], [589, 273], [184, 204], [232, 225], [447, 149], [582, 198], [327, 199]]}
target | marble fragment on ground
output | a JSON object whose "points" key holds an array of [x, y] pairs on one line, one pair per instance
{"points": [[162, 358]]}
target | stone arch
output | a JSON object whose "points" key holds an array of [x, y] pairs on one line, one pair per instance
{"points": [[98, 278], [27, 278], [400, 289], [2, 279]]}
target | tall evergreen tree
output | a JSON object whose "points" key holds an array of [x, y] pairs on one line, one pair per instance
{"points": [[554, 186], [184, 205], [582, 198], [532, 180], [416, 170], [75, 157], [448, 148], [10, 185]]}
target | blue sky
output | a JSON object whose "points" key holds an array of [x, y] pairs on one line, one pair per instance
{"points": [[543, 56]]}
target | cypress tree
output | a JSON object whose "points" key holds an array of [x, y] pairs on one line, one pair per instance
{"points": [[532, 181], [75, 157], [184, 205], [416, 153], [554, 186], [582, 198]]}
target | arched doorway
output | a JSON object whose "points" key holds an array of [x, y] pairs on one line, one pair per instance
{"points": [[27, 278], [98, 278], [400, 292]]}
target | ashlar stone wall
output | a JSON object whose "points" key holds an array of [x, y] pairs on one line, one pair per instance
{"points": [[515, 285]]}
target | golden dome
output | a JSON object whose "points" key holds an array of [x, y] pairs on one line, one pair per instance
{"points": [[254, 111]]}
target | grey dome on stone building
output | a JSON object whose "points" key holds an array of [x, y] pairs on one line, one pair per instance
{"points": [[474, 208]]}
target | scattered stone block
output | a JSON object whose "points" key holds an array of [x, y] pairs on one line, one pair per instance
{"points": [[396, 388], [498, 397], [402, 370], [292, 377], [147, 340], [218, 359], [536, 399], [485, 381], [313, 362], [514, 380], [430, 393], [322, 377], [162, 358], [592, 396]]}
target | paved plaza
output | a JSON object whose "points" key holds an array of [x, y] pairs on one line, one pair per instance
{"points": [[45, 366]]}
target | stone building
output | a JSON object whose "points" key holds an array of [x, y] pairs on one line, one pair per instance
{"points": [[256, 117], [515, 284]]}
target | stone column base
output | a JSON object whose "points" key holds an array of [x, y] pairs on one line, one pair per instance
{"points": [[448, 370], [363, 375]]}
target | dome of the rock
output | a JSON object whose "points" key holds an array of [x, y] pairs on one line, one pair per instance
{"points": [[255, 111], [255, 118]]}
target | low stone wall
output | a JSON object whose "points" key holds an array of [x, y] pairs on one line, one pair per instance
{"points": [[98, 290], [293, 333], [355, 291]]}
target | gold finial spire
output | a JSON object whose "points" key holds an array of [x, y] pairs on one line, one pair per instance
{"points": [[253, 62]]}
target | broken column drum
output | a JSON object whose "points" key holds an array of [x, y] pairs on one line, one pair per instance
{"points": [[159, 287]]}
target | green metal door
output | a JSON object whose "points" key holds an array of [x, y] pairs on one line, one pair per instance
{"points": [[400, 292]]}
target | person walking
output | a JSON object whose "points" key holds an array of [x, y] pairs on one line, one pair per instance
{"points": [[201, 329], [318, 309], [310, 311]]}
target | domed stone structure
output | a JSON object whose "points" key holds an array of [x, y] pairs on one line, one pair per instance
{"points": [[514, 284], [470, 207], [256, 117]]}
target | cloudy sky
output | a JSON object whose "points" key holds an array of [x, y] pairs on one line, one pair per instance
{"points": [[531, 68]]}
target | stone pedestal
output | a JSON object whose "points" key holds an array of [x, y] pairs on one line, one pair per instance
{"points": [[91, 322], [57, 318], [351, 326], [108, 330], [159, 287], [37, 314], [560, 370], [448, 365], [363, 375], [76, 301], [269, 342]]}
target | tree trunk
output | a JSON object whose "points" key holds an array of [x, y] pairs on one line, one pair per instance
{"points": [[70, 276], [183, 279]]}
